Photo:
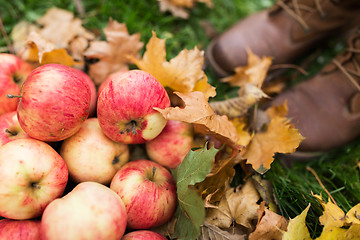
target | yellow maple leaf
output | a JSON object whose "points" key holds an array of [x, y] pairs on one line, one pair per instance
{"points": [[353, 215], [297, 229], [241, 128], [114, 53], [254, 73], [332, 216], [198, 112], [183, 73], [236, 205]]}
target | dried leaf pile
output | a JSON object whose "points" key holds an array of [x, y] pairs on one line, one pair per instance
{"points": [[227, 133]]}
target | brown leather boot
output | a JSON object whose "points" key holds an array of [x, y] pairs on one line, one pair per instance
{"points": [[326, 108], [285, 32]]}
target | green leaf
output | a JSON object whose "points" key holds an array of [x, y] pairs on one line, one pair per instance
{"points": [[190, 212]]}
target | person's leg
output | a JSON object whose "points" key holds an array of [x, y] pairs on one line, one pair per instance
{"points": [[285, 32]]}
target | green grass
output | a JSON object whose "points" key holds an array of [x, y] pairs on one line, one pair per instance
{"points": [[336, 169]]}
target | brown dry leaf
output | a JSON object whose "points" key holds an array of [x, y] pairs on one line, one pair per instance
{"points": [[20, 33], [254, 73], [178, 7], [238, 106], [280, 137], [236, 205], [212, 232], [38, 50], [114, 53], [60, 27], [270, 225], [183, 73], [297, 229], [198, 112]]}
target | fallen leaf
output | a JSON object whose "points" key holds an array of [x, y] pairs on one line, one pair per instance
{"points": [[254, 73], [212, 232], [114, 53], [353, 215], [20, 33], [238, 106], [190, 212], [183, 73], [280, 137], [38, 50], [198, 112], [178, 7], [242, 130], [236, 205], [270, 225], [266, 191], [297, 229]]}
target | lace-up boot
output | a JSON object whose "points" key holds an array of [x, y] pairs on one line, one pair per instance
{"points": [[326, 108], [285, 32]]}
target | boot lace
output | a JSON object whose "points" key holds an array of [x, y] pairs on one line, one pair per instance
{"points": [[296, 10]]}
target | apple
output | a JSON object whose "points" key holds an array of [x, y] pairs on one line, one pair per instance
{"points": [[13, 72], [19, 229], [105, 82], [148, 191], [91, 156], [143, 235], [92, 107], [10, 128], [54, 102], [90, 211], [32, 174], [125, 107], [172, 145]]}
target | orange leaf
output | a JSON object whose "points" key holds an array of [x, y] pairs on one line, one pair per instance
{"points": [[177, 7], [280, 137], [198, 111], [254, 73], [114, 53], [183, 73]]}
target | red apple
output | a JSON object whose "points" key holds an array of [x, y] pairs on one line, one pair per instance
{"points": [[143, 235], [13, 72], [90, 211], [172, 145], [91, 156], [10, 128], [148, 192], [92, 107], [32, 174], [19, 229], [104, 83], [54, 102], [125, 107]]}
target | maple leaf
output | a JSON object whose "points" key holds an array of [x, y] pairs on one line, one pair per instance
{"points": [[190, 212], [297, 229], [38, 50], [241, 128], [353, 215], [280, 137], [198, 112], [236, 205], [212, 232], [269, 225], [183, 73], [114, 53], [178, 7], [238, 106], [254, 73]]}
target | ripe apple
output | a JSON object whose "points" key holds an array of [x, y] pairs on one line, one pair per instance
{"points": [[143, 235], [105, 82], [125, 107], [172, 145], [10, 128], [92, 107], [54, 102], [19, 229], [91, 156], [32, 175], [13, 72], [90, 211], [148, 191]]}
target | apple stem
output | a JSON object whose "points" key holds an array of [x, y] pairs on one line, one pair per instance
{"points": [[133, 123], [13, 96], [10, 132], [35, 185], [153, 172]]}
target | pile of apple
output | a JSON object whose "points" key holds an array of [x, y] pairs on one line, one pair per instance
{"points": [[64, 154]]}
